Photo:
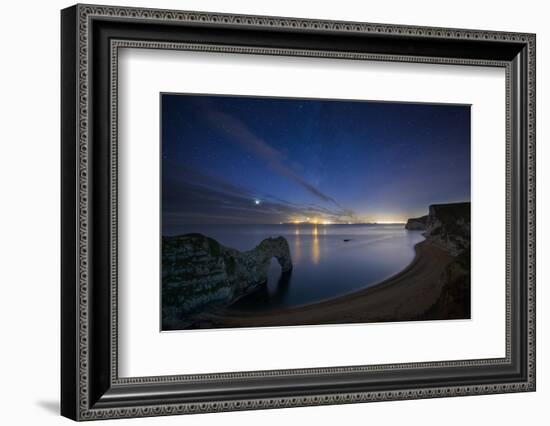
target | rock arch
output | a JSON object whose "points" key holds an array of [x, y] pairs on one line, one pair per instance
{"points": [[199, 273]]}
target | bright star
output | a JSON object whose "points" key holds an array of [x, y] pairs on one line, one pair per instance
{"points": [[257, 202]]}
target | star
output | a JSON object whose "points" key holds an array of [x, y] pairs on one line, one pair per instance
{"points": [[257, 202]]}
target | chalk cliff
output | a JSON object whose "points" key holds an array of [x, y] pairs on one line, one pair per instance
{"points": [[447, 226], [199, 273], [417, 223]]}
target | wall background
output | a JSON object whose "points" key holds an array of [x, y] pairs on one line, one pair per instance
{"points": [[29, 213]]}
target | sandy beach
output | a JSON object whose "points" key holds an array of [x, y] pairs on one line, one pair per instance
{"points": [[404, 296]]}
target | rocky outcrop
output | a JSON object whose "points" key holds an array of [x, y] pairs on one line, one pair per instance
{"points": [[199, 273], [417, 223], [447, 226]]}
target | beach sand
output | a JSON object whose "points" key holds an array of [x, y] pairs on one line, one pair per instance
{"points": [[402, 297]]}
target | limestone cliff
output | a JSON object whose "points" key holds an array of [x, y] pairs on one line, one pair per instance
{"points": [[447, 226], [417, 223], [199, 273]]}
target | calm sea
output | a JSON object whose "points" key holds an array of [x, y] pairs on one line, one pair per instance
{"points": [[325, 266]]}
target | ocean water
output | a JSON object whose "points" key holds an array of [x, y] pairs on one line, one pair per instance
{"points": [[325, 266]]}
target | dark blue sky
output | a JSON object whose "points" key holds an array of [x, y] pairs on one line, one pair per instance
{"points": [[232, 159]]}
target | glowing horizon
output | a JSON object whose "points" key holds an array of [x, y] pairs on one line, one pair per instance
{"points": [[358, 222], [252, 160]]}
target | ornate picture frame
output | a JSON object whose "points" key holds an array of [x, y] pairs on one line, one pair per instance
{"points": [[91, 37]]}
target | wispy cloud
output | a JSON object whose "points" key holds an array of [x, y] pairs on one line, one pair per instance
{"points": [[242, 135], [191, 196]]}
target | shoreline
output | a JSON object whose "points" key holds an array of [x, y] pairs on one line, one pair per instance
{"points": [[405, 296]]}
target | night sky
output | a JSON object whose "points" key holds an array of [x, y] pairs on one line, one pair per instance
{"points": [[238, 160]]}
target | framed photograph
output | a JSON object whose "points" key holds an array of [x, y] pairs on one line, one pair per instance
{"points": [[263, 212], [292, 211]]}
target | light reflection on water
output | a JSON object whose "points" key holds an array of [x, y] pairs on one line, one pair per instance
{"points": [[297, 253], [325, 265], [315, 254]]}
